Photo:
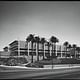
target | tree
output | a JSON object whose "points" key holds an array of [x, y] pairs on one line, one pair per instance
{"points": [[48, 44], [66, 45], [69, 46], [33, 40], [43, 41], [28, 39], [60, 50], [54, 40], [74, 48], [78, 50], [37, 40]]}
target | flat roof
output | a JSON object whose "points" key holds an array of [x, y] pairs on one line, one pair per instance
{"points": [[13, 42]]}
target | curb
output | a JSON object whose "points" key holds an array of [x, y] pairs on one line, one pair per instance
{"points": [[19, 68]]}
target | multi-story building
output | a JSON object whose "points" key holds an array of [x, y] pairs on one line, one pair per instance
{"points": [[17, 48], [23, 48]]}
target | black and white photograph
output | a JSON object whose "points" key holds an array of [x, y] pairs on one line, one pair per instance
{"points": [[39, 39]]}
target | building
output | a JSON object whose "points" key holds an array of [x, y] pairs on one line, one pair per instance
{"points": [[23, 48], [17, 48], [4, 54]]}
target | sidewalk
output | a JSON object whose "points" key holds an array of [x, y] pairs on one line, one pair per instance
{"points": [[20, 68]]}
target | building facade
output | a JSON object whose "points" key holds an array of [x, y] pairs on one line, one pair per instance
{"points": [[23, 48], [17, 48], [5, 53]]}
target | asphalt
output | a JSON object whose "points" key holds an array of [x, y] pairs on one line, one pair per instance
{"points": [[70, 75], [41, 74]]}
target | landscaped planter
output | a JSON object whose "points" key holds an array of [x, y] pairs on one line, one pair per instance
{"points": [[59, 61]]}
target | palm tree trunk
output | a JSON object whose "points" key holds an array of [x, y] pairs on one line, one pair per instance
{"points": [[54, 49], [70, 52], [38, 51], [66, 52], [32, 52], [28, 48], [78, 53], [74, 52], [61, 51], [52, 55], [48, 50], [43, 50]]}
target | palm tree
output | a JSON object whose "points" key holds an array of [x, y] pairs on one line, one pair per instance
{"points": [[66, 45], [78, 50], [33, 40], [43, 41], [37, 40], [74, 48], [69, 46], [54, 40], [48, 44], [28, 39], [60, 50]]}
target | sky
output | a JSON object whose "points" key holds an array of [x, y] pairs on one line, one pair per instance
{"points": [[55, 18]]}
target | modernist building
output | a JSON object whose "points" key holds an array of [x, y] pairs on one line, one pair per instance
{"points": [[21, 48], [17, 48]]}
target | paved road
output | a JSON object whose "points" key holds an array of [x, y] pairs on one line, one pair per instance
{"points": [[69, 75], [42, 74]]}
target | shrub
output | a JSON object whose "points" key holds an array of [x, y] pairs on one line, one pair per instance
{"points": [[12, 62], [36, 65], [15, 61], [22, 60]]}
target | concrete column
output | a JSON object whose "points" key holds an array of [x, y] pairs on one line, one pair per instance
{"points": [[18, 48], [44, 50], [28, 48], [36, 50], [61, 52], [56, 49], [50, 51]]}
